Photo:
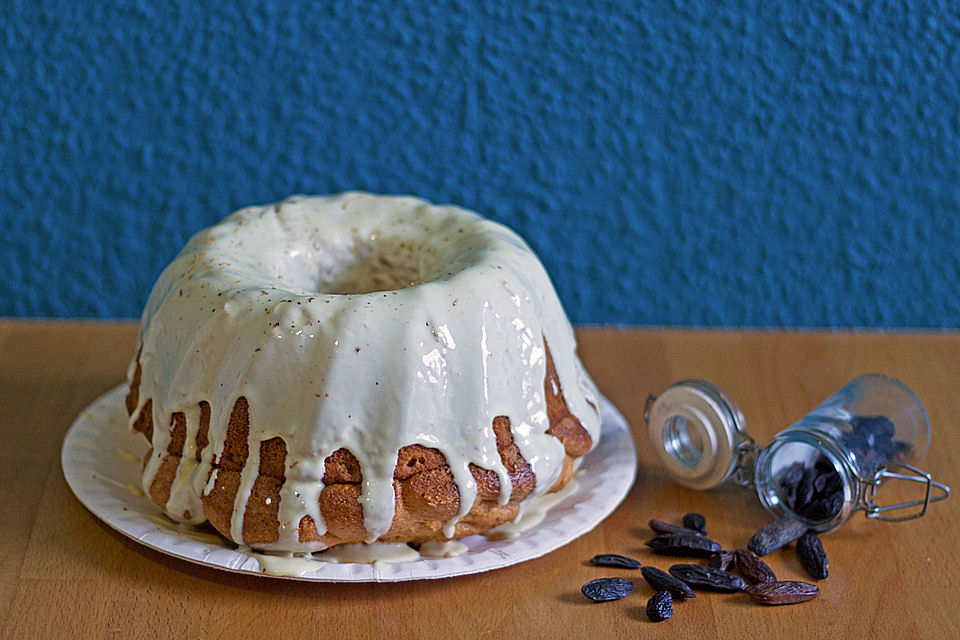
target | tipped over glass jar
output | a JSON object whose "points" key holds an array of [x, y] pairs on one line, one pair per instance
{"points": [[820, 470]]}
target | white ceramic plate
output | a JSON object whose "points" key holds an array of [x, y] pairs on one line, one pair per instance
{"points": [[102, 473]]}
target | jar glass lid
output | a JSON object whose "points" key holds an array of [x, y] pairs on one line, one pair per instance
{"points": [[697, 433]]}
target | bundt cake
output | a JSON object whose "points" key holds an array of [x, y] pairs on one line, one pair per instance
{"points": [[351, 368]]}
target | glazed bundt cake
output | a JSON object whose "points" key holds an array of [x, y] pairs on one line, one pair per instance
{"points": [[352, 368]]}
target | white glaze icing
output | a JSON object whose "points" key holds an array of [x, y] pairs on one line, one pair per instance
{"points": [[284, 564], [168, 526], [445, 549], [532, 516], [356, 321], [132, 488], [129, 456], [377, 553]]}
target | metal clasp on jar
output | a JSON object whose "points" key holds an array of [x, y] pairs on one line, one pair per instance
{"points": [[870, 486]]}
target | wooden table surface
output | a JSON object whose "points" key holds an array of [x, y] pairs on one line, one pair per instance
{"points": [[64, 574]]}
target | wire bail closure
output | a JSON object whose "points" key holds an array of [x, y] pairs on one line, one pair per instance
{"points": [[868, 501]]}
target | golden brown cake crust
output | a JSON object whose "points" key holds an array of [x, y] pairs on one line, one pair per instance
{"points": [[426, 496]]}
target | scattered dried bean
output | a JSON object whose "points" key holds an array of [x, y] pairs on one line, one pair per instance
{"points": [[696, 522], [753, 568], [659, 526], [775, 535], [663, 581], [660, 606], [785, 592], [702, 577], [683, 544], [812, 556], [724, 560], [607, 589], [614, 560]]}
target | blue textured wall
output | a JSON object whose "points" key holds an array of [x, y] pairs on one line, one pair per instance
{"points": [[756, 163]]}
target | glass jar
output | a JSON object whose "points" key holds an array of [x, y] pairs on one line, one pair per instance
{"points": [[820, 470]]}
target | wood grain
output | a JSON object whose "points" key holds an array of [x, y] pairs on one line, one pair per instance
{"points": [[63, 574]]}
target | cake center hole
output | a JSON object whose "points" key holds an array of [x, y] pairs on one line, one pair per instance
{"points": [[367, 266]]}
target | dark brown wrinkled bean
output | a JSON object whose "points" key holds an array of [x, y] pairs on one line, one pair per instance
{"points": [[825, 508], [753, 568], [699, 576], [786, 592], [660, 606], [683, 544], [814, 492], [775, 535], [663, 581], [725, 561], [828, 483], [660, 527], [805, 489], [696, 522], [812, 556], [789, 481], [607, 589], [614, 560]]}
